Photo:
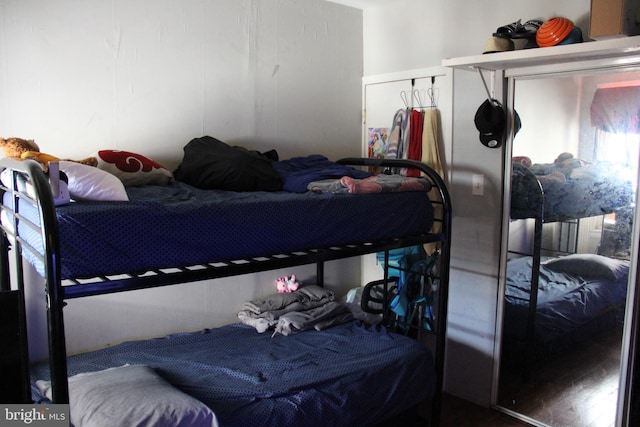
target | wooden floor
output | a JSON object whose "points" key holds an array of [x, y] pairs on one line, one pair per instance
{"points": [[457, 412], [579, 389]]}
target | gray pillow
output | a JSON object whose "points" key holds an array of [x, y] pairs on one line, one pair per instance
{"points": [[130, 395], [590, 266]]}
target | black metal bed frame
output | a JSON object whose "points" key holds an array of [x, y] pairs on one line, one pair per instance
{"points": [[15, 195]]}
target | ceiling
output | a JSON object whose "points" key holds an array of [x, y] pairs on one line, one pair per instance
{"points": [[361, 4]]}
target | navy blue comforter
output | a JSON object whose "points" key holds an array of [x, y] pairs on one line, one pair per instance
{"points": [[347, 375], [567, 300], [180, 225]]}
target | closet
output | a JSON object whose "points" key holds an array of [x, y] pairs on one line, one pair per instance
{"points": [[555, 92]]}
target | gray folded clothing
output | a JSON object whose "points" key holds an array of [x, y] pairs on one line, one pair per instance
{"points": [[259, 323], [322, 317], [292, 312], [267, 319], [280, 301]]}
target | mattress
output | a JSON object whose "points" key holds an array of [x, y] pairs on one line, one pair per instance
{"points": [[567, 300], [180, 225], [587, 191], [350, 374]]}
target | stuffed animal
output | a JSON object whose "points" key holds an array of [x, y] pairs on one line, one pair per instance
{"points": [[14, 147], [287, 284], [568, 162], [18, 148]]}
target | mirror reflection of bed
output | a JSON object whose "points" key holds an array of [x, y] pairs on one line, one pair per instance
{"points": [[573, 186]]}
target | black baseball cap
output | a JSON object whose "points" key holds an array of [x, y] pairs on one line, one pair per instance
{"points": [[491, 122]]}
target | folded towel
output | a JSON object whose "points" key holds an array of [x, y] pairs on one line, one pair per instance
{"points": [[268, 319], [280, 301], [259, 323], [322, 317], [265, 313]]}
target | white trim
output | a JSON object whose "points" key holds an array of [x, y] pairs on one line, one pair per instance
{"points": [[612, 50]]}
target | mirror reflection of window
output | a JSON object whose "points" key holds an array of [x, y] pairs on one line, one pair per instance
{"points": [[619, 148]]}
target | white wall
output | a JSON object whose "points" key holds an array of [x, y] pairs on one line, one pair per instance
{"points": [[411, 34], [150, 75], [558, 113]]}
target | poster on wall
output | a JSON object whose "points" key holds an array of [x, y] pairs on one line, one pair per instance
{"points": [[377, 142]]}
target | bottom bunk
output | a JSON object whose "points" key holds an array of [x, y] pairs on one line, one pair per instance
{"points": [[578, 296], [352, 374]]}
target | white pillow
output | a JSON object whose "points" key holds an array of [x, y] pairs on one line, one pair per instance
{"points": [[131, 395], [92, 184]]}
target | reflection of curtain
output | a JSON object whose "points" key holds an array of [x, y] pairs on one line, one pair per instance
{"points": [[616, 109]]}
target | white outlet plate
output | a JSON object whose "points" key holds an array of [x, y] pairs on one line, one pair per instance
{"points": [[477, 184]]}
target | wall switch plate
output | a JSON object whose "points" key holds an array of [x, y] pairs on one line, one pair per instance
{"points": [[477, 184]]}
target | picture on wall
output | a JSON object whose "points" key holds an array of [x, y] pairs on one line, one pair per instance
{"points": [[377, 142]]}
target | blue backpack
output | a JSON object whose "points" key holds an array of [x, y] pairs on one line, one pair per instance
{"points": [[412, 297]]}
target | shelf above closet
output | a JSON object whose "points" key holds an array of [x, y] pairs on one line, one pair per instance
{"points": [[616, 50]]}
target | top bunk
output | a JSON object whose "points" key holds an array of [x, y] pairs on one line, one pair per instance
{"points": [[156, 235], [567, 189]]}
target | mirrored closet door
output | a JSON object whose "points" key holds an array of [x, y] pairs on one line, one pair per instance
{"points": [[574, 172]]}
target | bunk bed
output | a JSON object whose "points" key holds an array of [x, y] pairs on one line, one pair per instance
{"points": [[312, 227], [558, 296]]}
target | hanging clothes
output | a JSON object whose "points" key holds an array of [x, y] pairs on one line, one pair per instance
{"points": [[414, 151], [430, 153], [431, 156], [403, 145], [398, 130]]}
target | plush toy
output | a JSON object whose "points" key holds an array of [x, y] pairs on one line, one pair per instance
{"points": [[287, 284], [18, 148], [14, 147], [568, 162]]}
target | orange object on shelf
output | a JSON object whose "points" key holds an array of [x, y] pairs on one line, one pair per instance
{"points": [[553, 31]]}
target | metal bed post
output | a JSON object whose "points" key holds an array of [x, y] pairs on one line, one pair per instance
{"points": [[32, 173], [5, 274], [385, 294], [443, 294], [53, 283], [444, 263], [320, 273], [533, 299], [533, 188]]}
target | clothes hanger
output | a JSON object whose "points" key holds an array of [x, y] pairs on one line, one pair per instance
{"points": [[406, 98], [433, 93], [420, 96]]}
